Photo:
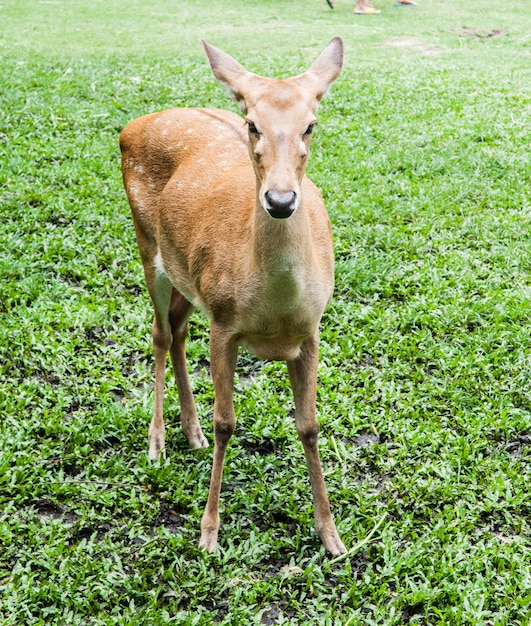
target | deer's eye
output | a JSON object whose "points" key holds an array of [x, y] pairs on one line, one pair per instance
{"points": [[309, 130], [252, 129]]}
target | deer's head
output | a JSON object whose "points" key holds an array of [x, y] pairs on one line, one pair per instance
{"points": [[280, 118]]}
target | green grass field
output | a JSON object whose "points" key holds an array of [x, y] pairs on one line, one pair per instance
{"points": [[422, 154]]}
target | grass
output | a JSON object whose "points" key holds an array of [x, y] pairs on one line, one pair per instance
{"points": [[424, 397]]}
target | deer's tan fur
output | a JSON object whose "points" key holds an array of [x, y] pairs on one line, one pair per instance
{"points": [[227, 222]]}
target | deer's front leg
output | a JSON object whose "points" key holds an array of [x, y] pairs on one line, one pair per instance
{"points": [[303, 376], [223, 353]]}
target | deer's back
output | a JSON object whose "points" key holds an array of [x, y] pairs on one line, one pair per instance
{"points": [[194, 147]]}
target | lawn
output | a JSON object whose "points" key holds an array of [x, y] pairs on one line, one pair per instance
{"points": [[424, 399]]}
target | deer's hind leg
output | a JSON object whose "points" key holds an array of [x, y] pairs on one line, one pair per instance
{"points": [[160, 290], [179, 312]]}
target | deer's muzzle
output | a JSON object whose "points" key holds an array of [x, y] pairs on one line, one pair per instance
{"points": [[280, 205]]}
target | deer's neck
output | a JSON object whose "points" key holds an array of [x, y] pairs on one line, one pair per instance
{"points": [[282, 246]]}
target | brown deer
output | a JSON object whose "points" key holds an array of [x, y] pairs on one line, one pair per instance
{"points": [[227, 222]]}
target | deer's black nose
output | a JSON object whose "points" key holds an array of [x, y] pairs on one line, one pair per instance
{"points": [[280, 205]]}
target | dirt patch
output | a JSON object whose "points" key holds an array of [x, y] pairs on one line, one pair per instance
{"points": [[47, 509], [367, 438], [276, 517], [409, 613], [264, 447], [416, 45], [521, 443], [169, 517], [276, 614], [466, 31]]}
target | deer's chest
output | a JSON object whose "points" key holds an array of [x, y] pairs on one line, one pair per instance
{"points": [[283, 312]]}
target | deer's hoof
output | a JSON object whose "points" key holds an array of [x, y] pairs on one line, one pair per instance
{"points": [[198, 442], [335, 546], [209, 534], [157, 449], [208, 543], [332, 542]]}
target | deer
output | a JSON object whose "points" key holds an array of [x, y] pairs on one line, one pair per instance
{"points": [[227, 222]]}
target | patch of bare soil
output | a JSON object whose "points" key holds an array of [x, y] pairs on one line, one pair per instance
{"points": [[168, 517], [48, 509], [416, 45], [466, 31], [264, 447]]}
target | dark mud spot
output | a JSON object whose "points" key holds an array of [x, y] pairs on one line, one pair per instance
{"points": [[170, 516], [263, 447]]}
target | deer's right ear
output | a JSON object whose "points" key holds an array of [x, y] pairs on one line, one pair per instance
{"points": [[324, 71], [228, 72]]}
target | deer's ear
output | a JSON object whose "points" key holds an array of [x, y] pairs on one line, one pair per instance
{"points": [[324, 70], [229, 73]]}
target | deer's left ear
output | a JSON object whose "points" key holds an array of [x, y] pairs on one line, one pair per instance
{"points": [[229, 73], [324, 70]]}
